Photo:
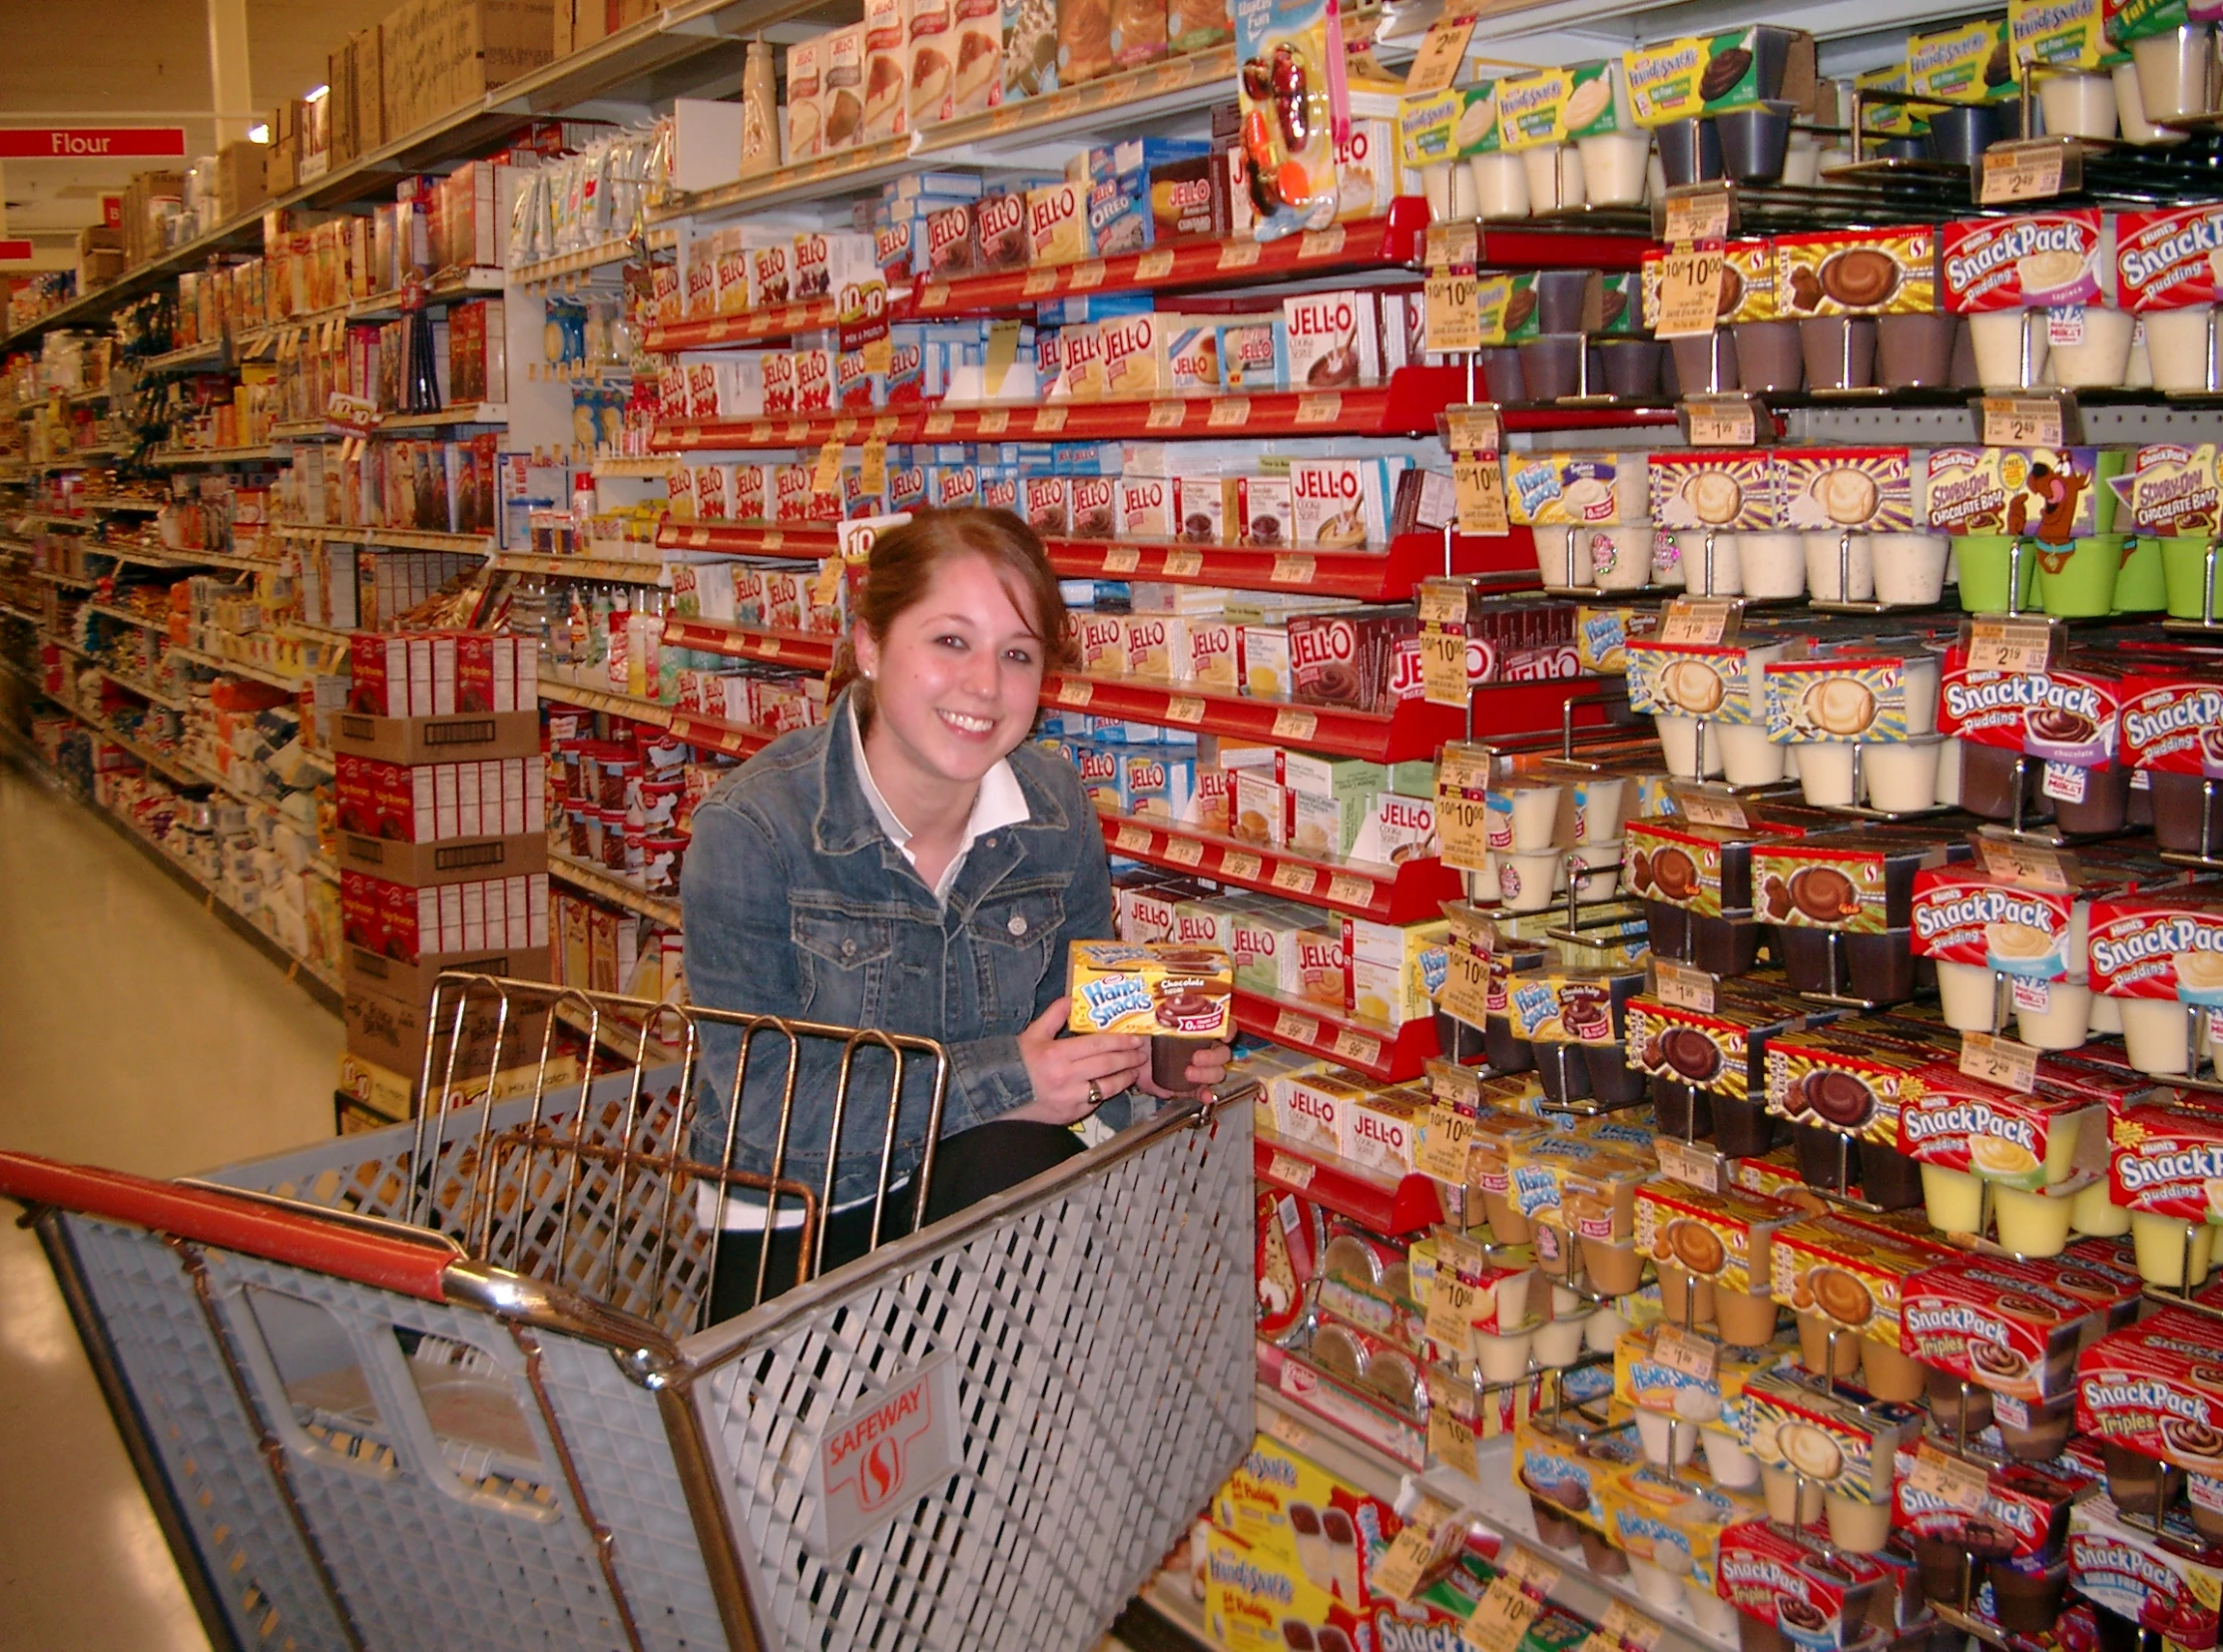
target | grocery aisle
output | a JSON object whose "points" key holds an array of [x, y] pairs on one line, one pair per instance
{"points": [[135, 1031]]}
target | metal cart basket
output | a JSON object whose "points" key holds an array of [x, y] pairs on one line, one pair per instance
{"points": [[441, 1386]]}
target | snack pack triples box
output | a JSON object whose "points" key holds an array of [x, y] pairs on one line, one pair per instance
{"points": [[1995, 1322], [2156, 1388], [1782, 1575], [1154, 989]]}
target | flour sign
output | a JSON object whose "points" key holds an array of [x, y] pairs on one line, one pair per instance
{"points": [[883, 1453]]}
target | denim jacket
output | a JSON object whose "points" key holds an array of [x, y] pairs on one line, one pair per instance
{"points": [[795, 904]]}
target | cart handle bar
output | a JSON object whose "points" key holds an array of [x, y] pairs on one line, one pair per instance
{"points": [[408, 1261]]}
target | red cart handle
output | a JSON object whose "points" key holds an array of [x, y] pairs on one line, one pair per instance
{"points": [[411, 1264]]}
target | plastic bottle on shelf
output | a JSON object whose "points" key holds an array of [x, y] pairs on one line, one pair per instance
{"points": [[760, 114]]}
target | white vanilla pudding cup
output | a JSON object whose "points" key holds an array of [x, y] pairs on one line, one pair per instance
{"points": [[1910, 568], [1714, 1614], [1952, 1198], [2162, 1252], [1535, 817], [2101, 360], [1948, 773], [2031, 1223], [2063, 1024], [2106, 1016], [1857, 1526], [1919, 674], [1789, 1501], [1502, 1358], [1724, 577], [1901, 774], [1662, 1434], [1772, 565], [1661, 1589], [1679, 739], [1602, 1330], [2097, 1214], [1802, 163], [2157, 1034], [1598, 802], [2179, 347], [2176, 72], [1748, 756], [1511, 1295], [1501, 184], [1600, 867], [1525, 882], [1435, 188], [2079, 104], [1968, 994], [1621, 558], [1999, 336], [1562, 555], [1554, 177], [1558, 1342], [1613, 168], [1830, 555], [1825, 773], [1727, 1460], [2130, 111]]}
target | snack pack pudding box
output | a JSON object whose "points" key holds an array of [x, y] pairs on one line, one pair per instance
{"points": [[2167, 1169], [1965, 1132], [2163, 957], [2128, 1571], [2030, 260], [2025, 1510], [2066, 715], [1796, 1581], [2172, 728]]}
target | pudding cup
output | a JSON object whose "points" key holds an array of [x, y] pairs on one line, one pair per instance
{"points": [[1714, 1614], [1955, 1406], [1552, 1524], [1435, 188], [1949, 772], [1790, 1501], [1501, 184], [2175, 71], [1602, 1557], [2096, 1214], [1901, 774], [1558, 1342], [1502, 1358], [1511, 1295], [1599, 867], [1910, 568], [1535, 817], [1767, 355], [1802, 163], [2179, 345], [1890, 1374], [1914, 352], [1712, 566], [1679, 741], [1857, 1526], [1748, 756], [2079, 104], [2031, 1223], [1621, 558], [1662, 1434], [1772, 565], [2062, 1024], [1836, 561], [1662, 1589], [1825, 773], [1952, 1198], [1814, 1347], [2130, 111], [1685, 1298], [1614, 165], [1602, 1330], [1506, 1223], [1562, 555], [1727, 1460], [1526, 882], [2163, 1253], [1970, 996], [1614, 1266], [2101, 360], [1704, 362], [1598, 803], [2001, 336], [1466, 203], [2157, 1034], [1840, 351], [2184, 565], [1555, 173], [1747, 1319]]}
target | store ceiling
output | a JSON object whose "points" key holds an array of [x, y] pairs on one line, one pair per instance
{"points": [[138, 63]]}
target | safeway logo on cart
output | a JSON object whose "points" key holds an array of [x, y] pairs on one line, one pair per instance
{"points": [[886, 1452]]}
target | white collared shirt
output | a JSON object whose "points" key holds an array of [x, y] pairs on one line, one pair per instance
{"points": [[998, 803]]}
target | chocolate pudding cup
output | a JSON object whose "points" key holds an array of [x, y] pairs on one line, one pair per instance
{"points": [[1602, 1557], [1914, 352], [1989, 783], [1725, 946], [2041, 1439], [2027, 1596], [2208, 1523], [2116, 1633], [2104, 806], [1947, 1402], [1681, 1110], [2140, 1484], [1631, 367], [1612, 1080], [1890, 1179], [1767, 355], [1826, 1158], [1554, 1524], [1668, 927], [1882, 966], [1743, 1129], [1169, 1062], [1840, 351], [1501, 372], [2177, 803], [1507, 1053], [1759, 1635]]}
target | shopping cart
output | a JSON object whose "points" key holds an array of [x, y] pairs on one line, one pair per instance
{"points": [[440, 1386]]}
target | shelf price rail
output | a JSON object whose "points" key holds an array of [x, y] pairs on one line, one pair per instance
{"points": [[475, 1336]]}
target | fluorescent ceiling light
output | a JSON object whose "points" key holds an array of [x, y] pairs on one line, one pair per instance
{"points": [[259, 132], [317, 96]]}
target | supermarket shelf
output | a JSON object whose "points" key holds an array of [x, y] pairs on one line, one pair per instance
{"points": [[597, 881], [1391, 1057], [572, 264], [650, 467], [241, 668], [132, 685], [185, 359], [477, 412], [601, 700], [1404, 405], [618, 570], [181, 456], [1584, 418], [77, 580], [1410, 893], [750, 327], [1387, 575], [124, 616], [14, 613], [1411, 731], [747, 539], [106, 504], [743, 642], [79, 457], [734, 740], [407, 539], [1410, 1205], [153, 557], [613, 1035]]}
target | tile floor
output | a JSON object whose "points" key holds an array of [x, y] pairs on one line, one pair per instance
{"points": [[135, 1031]]}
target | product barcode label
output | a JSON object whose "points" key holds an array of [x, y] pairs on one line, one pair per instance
{"points": [[1357, 1048], [1154, 267], [1691, 1352], [940, 424], [1442, 1149], [1239, 254], [1088, 276], [1962, 1484], [1292, 724], [2021, 421], [1999, 1060], [1682, 988], [1167, 415], [1075, 692], [1349, 889], [1048, 421], [1689, 1163], [1321, 244]]}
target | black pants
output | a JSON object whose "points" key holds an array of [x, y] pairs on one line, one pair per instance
{"points": [[970, 1167]]}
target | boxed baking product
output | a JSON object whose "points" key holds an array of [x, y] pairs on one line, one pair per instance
{"points": [[1344, 658], [1333, 339]]}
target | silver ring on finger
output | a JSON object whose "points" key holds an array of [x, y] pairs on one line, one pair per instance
{"points": [[1095, 1095]]}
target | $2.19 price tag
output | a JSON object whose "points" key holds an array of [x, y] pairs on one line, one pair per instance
{"points": [[1999, 1060]]}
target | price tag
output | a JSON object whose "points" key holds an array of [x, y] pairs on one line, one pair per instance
{"points": [[1443, 1150], [937, 293], [1452, 317], [1465, 990], [1462, 829], [1295, 877], [2021, 421], [1041, 282], [1690, 293], [1712, 808], [1443, 667], [1048, 421], [1324, 409], [1399, 1571], [1442, 49], [1631, 1627], [1346, 888], [2020, 171], [1183, 564], [1154, 267], [1452, 1441], [1075, 691], [1722, 423], [1960, 1484], [1122, 559], [886, 426], [1290, 569], [774, 539], [770, 649], [1702, 214], [874, 477], [1287, 1430], [1448, 246], [826, 475], [1185, 708], [1239, 254], [940, 423], [1087, 275], [1701, 621], [993, 421], [1291, 1172], [1166, 415], [1186, 851], [1998, 1060], [796, 433], [1680, 986], [1531, 1571], [1501, 1617], [1479, 494], [1451, 1320], [2030, 863], [1691, 1352], [1293, 1028], [1132, 840], [1292, 724], [1230, 412], [1242, 864], [1689, 1164], [1474, 428], [2009, 645], [1357, 1048], [1321, 244]]}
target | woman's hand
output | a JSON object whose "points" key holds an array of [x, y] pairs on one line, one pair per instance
{"points": [[1206, 1068], [1062, 1069]]}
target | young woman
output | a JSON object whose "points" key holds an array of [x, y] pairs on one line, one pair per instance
{"points": [[911, 864]]}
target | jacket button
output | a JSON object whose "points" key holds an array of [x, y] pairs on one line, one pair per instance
{"points": [[1017, 926], [849, 949]]}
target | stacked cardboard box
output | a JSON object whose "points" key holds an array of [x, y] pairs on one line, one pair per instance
{"points": [[356, 75], [143, 199], [243, 181], [443, 850], [438, 54], [100, 256]]}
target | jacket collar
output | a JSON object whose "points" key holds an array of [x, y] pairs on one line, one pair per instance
{"points": [[844, 823]]}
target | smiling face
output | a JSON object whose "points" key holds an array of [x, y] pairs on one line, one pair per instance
{"points": [[957, 679]]}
